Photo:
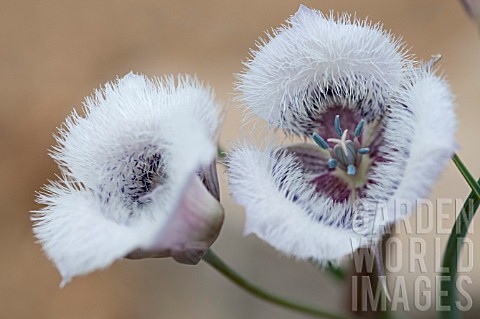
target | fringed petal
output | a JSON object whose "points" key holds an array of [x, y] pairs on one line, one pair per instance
{"points": [[76, 235], [284, 210], [317, 62], [432, 140]]}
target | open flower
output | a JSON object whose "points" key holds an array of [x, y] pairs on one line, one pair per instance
{"points": [[138, 177], [383, 128]]}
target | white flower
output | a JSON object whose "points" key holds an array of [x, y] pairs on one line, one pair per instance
{"points": [[132, 171], [383, 124]]}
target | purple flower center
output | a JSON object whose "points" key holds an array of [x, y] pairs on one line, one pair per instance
{"points": [[145, 173], [346, 154], [342, 167], [133, 178]]}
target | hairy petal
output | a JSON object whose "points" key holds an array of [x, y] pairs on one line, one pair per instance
{"points": [[433, 142], [283, 209], [134, 117], [318, 61], [129, 174], [77, 237]]}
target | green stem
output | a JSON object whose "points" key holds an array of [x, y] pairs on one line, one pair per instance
{"points": [[336, 271], [452, 251], [466, 174], [213, 260], [221, 152]]}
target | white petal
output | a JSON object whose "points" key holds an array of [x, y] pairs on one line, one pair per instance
{"points": [[432, 141], [87, 227], [315, 55], [287, 216], [387, 172], [137, 117], [77, 237], [193, 227]]}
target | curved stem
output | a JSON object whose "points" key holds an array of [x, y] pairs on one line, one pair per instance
{"points": [[452, 251], [221, 152], [213, 260], [336, 271], [466, 174]]}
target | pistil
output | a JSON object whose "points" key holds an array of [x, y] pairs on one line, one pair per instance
{"points": [[346, 154]]}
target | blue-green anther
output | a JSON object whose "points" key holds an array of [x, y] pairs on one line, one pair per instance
{"points": [[346, 153], [359, 129], [364, 151], [337, 126], [320, 141], [340, 154], [332, 163], [350, 156], [351, 170]]}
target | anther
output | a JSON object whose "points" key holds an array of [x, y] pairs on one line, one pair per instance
{"points": [[364, 150], [337, 126], [320, 141], [346, 154], [332, 163], [351, 170], [359, 129]]}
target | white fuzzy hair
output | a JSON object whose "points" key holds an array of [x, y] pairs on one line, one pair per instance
{"points": [[367, 73], [283, 208], [349, 57], [86, 223], [431, 102]]}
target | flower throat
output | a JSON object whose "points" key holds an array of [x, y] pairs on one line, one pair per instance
{"points": [[347, 155]]}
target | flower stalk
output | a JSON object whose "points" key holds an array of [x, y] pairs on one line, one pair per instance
{"points": [[213, 260], [467, 175], [452, 251]]}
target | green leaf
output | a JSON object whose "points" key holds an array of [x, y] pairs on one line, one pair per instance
{"points": [[452, 252], [466, 174]]}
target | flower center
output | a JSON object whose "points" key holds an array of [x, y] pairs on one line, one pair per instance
{"points": [[140, 175], [347, 155]]}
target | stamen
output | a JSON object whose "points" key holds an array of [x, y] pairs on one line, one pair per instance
{"points": [[364, 150], [351, 155], [320, 141], [346, 154], [337, 126], [359, 129], [340, 154], [341, 141], [332, 163], [351, 170]]}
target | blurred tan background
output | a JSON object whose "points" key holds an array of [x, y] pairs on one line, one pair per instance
{"points": [[53, 53]]}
